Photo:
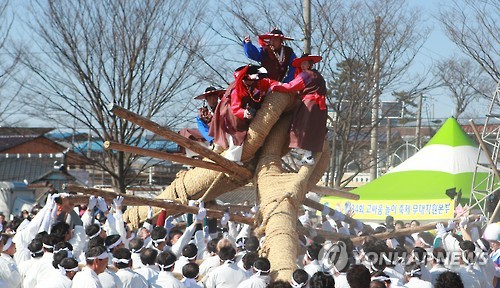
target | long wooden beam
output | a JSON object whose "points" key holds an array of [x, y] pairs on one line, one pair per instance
{"points": [[84, 199], [164, 156], [407, 231], [237, 171], [327, 191], [171, 206]]}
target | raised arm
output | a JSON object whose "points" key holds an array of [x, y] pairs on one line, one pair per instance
{"points": [[295, 85], [251, 51]]}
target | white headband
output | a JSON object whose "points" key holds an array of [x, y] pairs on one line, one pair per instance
{"points": [[115, 244], [124, 261], [104, 255], [258, 271], [63, 270], [46, 246], [96, 234], [163, 267], [70, 253], [7, 245], [136, 251], [297, 285], [381, 278], [158, 241], [36, 252], [414, 272]]}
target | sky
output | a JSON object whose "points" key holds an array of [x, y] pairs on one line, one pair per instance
{"points": [[437, 47]]}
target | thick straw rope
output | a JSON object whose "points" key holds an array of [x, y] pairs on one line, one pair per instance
{"points": [[194, 183]]}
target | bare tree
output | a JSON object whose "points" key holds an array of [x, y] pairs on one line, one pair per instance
{"points": [[346, 35], [8, 63], [465, 81], [343, 34], [140, 55], [473, 26]]}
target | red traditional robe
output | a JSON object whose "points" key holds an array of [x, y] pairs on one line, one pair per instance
{"points": [[229, 114], [308, 128]]}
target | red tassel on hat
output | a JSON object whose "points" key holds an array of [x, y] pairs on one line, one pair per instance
{"points": [[261, 41]]}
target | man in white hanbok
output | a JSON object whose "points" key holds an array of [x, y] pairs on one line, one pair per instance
{"points": [[9, 274], [97, 259], [149, 269], [129, 278], [260, 279], [67, 269], [165, 278], [228, 274]]}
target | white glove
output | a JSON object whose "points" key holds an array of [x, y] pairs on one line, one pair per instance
{"points": [[338, 216], [118, 201], [92, 202], [63, 195], [101, 204], [255, 209], [225, 218], [464, 220], [192, 203], [206, 232], [451, 225], [440, 230], [150, 213], [168, 223], [202, 213], [326, 210]]}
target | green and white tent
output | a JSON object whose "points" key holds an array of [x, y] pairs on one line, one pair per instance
{"points": [[419, 184]]}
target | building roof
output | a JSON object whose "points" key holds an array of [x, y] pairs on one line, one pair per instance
{"points": [[14, 136], [26, 166]]}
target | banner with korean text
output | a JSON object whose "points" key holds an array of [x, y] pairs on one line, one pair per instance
{"points": [[432, 209]]}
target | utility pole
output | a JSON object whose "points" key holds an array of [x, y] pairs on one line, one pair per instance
{"points": [[375, 101], [307, 27], [419, 121]]}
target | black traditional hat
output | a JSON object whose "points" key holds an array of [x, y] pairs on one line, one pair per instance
{"points": [[209, 92]]}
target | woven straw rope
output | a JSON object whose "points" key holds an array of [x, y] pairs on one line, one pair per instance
{"points": [[194, 183]]}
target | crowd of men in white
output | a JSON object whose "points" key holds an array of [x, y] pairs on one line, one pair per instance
{"points": [[61, 247]]}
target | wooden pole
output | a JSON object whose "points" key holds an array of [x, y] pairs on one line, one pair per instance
{"points": [[406, 231], [327, 191], [212, 166], [164, 156], [237, 171], [172, 207], [84, 199]]}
